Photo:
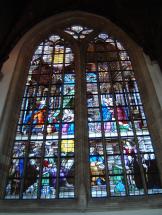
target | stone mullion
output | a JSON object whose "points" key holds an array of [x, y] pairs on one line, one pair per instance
{"points": [[81, 127]]}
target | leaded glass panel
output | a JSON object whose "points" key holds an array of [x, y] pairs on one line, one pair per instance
{"points": [[78, 31], [42, 164], [121, 155]]}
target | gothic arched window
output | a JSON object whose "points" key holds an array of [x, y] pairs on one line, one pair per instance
{"points": [[76, 97]]}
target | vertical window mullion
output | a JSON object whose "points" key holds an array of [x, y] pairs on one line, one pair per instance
{"points": [[81, 126]]}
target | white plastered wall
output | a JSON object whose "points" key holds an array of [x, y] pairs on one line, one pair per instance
{"points": [[7, 73], [156, 75]]}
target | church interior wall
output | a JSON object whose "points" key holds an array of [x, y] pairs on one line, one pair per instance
{"points": [[10, 77]]}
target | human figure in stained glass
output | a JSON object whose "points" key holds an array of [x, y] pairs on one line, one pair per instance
{"points": [[122, 117], [68, 128], [108, 114]]}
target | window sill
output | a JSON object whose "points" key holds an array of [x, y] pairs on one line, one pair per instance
{"points": [[74, 205]]}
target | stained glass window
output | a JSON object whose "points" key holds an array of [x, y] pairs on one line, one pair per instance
{"points": [[121, 156], [78, 31], [42, 163], [121, 159]]}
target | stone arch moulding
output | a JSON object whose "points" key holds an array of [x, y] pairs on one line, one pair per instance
{"points": [[17, 67]]}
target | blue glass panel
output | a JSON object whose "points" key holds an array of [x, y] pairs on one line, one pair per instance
{"points": [[91, 77]]}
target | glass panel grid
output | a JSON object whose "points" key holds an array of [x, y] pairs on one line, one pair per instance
{"points": [[121, 155], [42, 164]]}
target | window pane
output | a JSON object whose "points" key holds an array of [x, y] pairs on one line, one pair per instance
{"points": [[121, 155], [42, 164]]}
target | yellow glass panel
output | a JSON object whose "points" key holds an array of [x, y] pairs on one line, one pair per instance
{"points": [[67, 146], [58, 56]]}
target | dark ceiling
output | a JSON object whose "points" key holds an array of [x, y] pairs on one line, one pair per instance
{"points": [[142, 20]]}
